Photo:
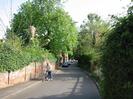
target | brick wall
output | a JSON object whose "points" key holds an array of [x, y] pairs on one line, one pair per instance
{"points": [[30, 72]]}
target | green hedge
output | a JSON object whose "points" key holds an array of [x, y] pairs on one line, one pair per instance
{"points": [[13, 58], [84, 61], [9, 58], [117, 61], [89, 59]]}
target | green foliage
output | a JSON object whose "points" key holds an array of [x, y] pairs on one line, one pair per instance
{"points": [[21, 22], [85, 61], [117, 61], [64, 37], [50, 56], [10, 58], [14, 57], [56, 30], [94, 28], [91, 38]]}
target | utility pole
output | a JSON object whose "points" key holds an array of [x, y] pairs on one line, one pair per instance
{"points": [[12, 35]]}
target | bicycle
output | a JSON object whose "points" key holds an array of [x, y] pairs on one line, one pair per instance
{"points": [[44, 76]]}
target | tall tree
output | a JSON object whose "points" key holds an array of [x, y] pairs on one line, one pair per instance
{"points": [[92, 32], [90, 39], [65, 33], [56, 30]]}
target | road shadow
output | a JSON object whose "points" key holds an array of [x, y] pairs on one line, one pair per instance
{"points": [[83, 87]]}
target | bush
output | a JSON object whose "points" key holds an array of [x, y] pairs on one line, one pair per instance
{"points": [[14, 57], [51, 57], [117, 61], [85, 61], [9, 58], [34, 54], [89, 60]]}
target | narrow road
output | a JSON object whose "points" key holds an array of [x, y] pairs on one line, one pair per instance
{"points": [[68, 83]]}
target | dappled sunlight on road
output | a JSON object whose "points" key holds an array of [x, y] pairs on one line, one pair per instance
{"points": [[68, 83], [73, 84]]}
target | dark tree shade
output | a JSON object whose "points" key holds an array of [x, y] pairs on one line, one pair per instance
{"points": [[117, 61]]}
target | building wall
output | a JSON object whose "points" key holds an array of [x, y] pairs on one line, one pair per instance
{"points": [[30, 72]]}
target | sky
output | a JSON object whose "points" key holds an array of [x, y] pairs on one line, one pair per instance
{"points": [[77, 9]]}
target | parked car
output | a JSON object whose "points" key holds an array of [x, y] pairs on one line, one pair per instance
{"points": [[66, 64]]}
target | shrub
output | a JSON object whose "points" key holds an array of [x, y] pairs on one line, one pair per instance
{"points": [[9, 58], [89, 60], [14, 57], [117, 61], [85, 61]]}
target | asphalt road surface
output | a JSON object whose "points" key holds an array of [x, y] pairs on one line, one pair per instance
{"points": [[68, 83]]}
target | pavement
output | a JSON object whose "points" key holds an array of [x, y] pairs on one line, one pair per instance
{"points": [[6, 92], [12, 90], [69, 83]]}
